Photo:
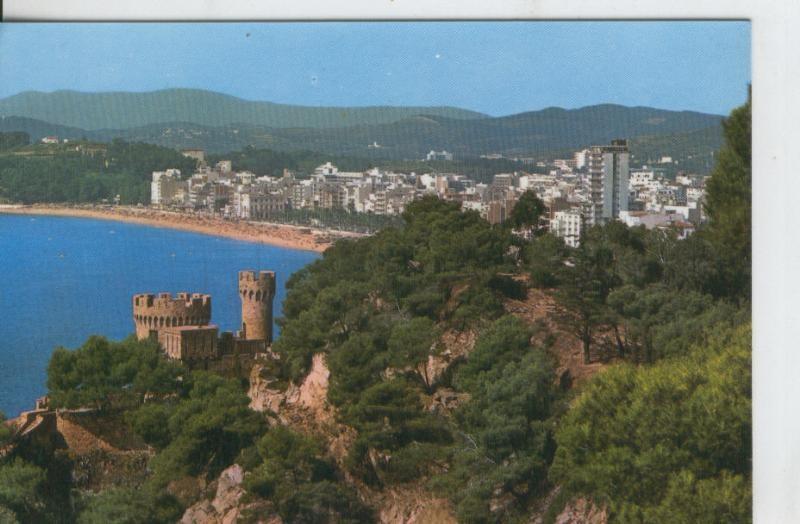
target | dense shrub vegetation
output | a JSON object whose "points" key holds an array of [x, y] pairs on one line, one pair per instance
{"points": [[504, 432], [667, 443], [103, 373], [295, 473], [14, 140], [670, 442]]}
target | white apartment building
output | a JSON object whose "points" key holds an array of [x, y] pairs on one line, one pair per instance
{"points": [[326, 169], [608, 181], [641, 177], [689, 213], [342, 177], [302, 194], [257, 206], [164, 186], [567, 225], [581, 158], [427, 181]]}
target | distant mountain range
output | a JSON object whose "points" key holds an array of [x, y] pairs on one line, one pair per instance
{"points": [[182, 118], [38, 129], [123, 110]]}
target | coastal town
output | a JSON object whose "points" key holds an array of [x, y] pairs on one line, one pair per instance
{"points": [[594, 186], [390, 272]]}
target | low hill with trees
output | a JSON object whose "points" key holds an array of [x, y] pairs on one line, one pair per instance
{"points": [[82, 172]]}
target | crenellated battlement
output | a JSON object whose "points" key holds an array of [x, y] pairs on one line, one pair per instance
{"points": [[182, 323], [166, 300], [152, 312], [264, 280]]}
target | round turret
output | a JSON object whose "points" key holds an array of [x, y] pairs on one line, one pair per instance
{"points": [[153, 312], [257, 289]]}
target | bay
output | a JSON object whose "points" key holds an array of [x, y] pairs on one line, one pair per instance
{"points": [[65, 279]]}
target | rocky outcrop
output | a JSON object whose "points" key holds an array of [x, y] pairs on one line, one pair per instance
{"points": [[414, 506], [305, 407], [444, 401], [455, 345], [582, 511], [226, 507], [311, 395], [540, 308]]}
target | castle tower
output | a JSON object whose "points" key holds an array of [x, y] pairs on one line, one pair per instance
{"points": [[257, 289], [152, 313]]}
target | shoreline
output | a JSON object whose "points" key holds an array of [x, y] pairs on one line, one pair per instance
{"points": [[279, 235]]}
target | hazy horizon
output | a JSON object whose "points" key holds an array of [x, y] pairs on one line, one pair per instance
{"points": [[496, 68]]}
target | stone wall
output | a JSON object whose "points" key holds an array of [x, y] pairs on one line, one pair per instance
{"points": [[154, 312]]}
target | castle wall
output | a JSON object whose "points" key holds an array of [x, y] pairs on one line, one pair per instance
{"points": [[257, 290], [151, 313], [188, 343], [181, 325], [249, 347]]}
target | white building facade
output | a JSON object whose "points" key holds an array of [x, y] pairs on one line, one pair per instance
{"points": [[567, 225], [608, 181]]}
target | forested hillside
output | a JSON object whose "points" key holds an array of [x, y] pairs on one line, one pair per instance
{"points": [[440, 387], [185, 118], [525, 134], [84, 172]]}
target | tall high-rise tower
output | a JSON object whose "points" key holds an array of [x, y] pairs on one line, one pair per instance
{"points": [[608, 181], [257, 289]]}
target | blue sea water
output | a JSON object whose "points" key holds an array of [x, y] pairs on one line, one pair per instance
{"points": [[64, 279]]}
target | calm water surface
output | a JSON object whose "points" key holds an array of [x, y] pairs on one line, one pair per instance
{"points": [[64, 279]]}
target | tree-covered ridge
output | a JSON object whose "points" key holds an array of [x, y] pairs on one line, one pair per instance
{"points": [[183, 118], [69, 174], [666, 443], [196, 423], [631, 295], [104, 373], [13, 139], [443, 264], [123, 110], [671, 442], [729, 199]]}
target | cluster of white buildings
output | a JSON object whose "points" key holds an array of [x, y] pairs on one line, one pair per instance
{"points": [[244, 195], [598, 185], [595, 186]]}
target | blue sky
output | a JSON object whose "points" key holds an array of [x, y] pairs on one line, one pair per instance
{"points": [[495, 67]]}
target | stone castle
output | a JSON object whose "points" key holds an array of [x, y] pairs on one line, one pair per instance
{"points": [[182, 324]]}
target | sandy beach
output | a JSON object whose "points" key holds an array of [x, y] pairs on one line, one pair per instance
{"points": [[282, 235]]}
